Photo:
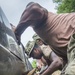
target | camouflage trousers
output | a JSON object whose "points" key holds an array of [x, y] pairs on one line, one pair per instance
{"points": [[69, 69]]}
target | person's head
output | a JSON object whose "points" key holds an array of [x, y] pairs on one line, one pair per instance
{"points": [[38, 40], [30, 3], [34, 50]]}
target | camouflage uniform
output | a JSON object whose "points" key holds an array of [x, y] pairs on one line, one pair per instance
{"points": [[46, 51], [45, 48], [29, 47], [70, 67], [57, 73]]}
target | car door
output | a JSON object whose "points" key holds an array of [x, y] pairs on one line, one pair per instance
{"points": [[12, 59]]}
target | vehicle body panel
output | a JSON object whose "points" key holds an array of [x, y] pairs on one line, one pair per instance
{"points": [[12, 56]]}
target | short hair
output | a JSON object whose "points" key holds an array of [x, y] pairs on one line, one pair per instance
{"points": [[29, 3]]}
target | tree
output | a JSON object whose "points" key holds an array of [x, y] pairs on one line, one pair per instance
{"points": [[64, 6]]}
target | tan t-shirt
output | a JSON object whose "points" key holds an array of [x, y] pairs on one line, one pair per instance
{"points": [[56, 31]]}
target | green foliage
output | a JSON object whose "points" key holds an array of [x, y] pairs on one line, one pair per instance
{"points": [[34, 64], [64, 6]]}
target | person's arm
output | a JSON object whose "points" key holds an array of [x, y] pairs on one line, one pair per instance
{"points": [[56, 63], [31, 16]]}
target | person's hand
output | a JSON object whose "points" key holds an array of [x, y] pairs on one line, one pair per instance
{"points": [[18, 39], [17, 36]]}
